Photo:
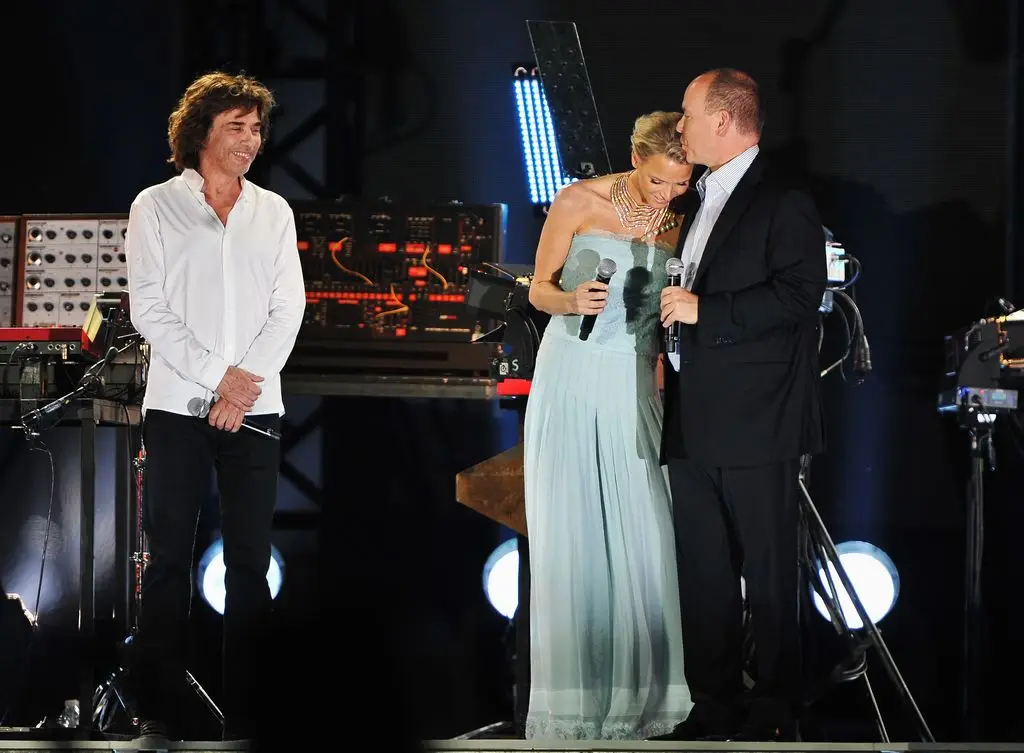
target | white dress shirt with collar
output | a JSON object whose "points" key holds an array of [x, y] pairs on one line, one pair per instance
{"points": [[207, 295], [714, 188]]}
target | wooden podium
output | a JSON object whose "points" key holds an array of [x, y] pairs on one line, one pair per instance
{"points": [[494, 488]]}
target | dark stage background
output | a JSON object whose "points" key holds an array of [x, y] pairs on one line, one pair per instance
{"points": [[896, 112]]}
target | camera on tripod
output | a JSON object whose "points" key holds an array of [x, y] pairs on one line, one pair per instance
{"points": [[982, 379], [502, 292]]}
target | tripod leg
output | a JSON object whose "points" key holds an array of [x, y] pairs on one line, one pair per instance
{"points": [[194, 684], [980, 443], [815, 521], [882, 731]]}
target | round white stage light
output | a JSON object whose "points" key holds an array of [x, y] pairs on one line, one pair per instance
{"points": [[501, 578], [211, 571], [874, 578]]}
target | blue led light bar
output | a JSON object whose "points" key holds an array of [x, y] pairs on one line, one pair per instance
{"points": [[544, 174]]}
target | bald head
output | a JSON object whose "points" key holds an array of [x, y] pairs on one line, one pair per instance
{"points": [[736, 93], [722, 117]]}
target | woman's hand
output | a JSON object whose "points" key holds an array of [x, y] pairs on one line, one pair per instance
{"points": [[589, 297]]}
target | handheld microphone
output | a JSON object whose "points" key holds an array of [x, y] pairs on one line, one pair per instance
{"points": [[108, 357], [605, 269], [201, 409], [674, 269]]}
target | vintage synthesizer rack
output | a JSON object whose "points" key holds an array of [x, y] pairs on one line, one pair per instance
{"points": [[63, 262], [386, 286], [41, 362], [8, 264]]}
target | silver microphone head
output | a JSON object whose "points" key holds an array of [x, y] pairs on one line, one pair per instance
{"points": [[606, 267], [674, 267], [198, 407]]}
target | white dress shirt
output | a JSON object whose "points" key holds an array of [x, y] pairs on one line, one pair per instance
{"points": [[207, 295], [714, 188]]}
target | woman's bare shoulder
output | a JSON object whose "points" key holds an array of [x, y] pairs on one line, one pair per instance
{"points": [[588, 192]]}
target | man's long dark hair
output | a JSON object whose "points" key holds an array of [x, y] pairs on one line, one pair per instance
{"points": [[206, 98]]}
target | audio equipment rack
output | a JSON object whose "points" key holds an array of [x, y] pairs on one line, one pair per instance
{"points": [[9, 229], [64, 260], [386, 288]]}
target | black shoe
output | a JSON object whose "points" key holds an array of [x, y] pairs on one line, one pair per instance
{"points": [[759, 729], [697, 727]]}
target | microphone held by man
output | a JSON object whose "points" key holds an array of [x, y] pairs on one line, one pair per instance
{"points": [[674, 269], [605, 269], [201, 409], [238, 392]]}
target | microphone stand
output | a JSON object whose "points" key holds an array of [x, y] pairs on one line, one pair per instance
{"points": [[30, 420], [31, 425], [90, 379], [114, 700], [821, 566]]}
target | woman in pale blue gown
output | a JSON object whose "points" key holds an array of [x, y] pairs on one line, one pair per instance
{"points": [[606, 651]]}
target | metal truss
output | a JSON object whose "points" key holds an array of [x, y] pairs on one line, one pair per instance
{"points": [[237, 35], [292, 436]]}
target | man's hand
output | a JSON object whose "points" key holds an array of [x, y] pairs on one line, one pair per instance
{"points": [[240, 388], [678, 305], [225, 416]]}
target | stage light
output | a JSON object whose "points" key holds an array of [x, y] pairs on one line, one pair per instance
{"points": [[17, 624], [501, 578], [211, 571], [874, 578], [15, 599], [544, 174]]}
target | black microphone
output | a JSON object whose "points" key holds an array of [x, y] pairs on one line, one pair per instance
{"points": [[55, 405], [605, 269], [97, 368], [674, 269], [201, 409], [84, 384]]}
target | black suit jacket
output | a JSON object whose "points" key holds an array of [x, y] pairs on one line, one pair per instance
{"points": [[748, 390]]}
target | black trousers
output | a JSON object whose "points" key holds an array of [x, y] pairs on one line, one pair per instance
{"points": [[182, 452], [731, 522]]}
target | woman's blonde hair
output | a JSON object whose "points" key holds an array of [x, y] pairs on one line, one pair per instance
{"points": [[655, 133]]}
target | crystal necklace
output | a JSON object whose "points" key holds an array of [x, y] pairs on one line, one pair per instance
{"points": [[633, 216]]}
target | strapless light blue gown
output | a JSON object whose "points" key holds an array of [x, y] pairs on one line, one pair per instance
{"points": [[606, 647]]}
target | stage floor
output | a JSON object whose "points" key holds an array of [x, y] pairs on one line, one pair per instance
{"points": [[510, 746], [10, 745]]}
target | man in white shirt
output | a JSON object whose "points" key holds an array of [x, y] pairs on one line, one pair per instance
{"points": [[216, 289]]}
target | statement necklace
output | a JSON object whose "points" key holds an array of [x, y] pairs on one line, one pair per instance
{"points": [[635, 216]]}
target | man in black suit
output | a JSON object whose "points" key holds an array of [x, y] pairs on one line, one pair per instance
{"points": [[740, 411]]}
